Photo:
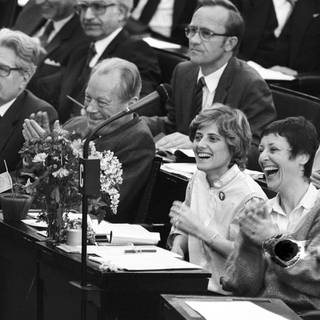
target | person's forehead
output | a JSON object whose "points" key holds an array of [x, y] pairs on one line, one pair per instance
{"points": [[7, 55], [210, 16]]}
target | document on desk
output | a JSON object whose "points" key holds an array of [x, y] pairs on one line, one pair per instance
{"points": [[160, 44], [269, 74], [123, 233], [240, 310], [141, 258]]}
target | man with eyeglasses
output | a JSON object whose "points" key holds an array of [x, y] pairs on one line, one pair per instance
{"points": [[58, 28], [103, 21], [114, 85], [18, 61], [214, 74]]}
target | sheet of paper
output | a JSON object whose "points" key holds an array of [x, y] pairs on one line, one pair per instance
{"points": [[160, 44], [124, 233], [187, 152], [240, 310], [184, 169], [268, 74], [144, 261]]}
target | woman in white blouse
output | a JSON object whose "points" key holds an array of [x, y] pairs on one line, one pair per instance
{"points": [[205, 225]]}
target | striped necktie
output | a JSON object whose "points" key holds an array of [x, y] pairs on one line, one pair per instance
{"points": [[197, 98]]}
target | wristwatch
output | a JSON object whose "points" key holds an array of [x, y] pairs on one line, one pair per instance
{"points": [[283, 249]]}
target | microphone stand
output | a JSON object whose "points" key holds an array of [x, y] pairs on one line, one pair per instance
{"points": [[93, 180]]}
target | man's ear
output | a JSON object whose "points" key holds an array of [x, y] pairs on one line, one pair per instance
{"points": [[25, 79], [132, 101], [231, 43], [303, 158]]}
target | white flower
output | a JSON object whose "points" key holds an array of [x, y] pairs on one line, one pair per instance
{"points": [[76, 146], [40, 157], [61, 173]]}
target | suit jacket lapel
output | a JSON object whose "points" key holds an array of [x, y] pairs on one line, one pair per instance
{"points": [[256, 20], [63, 35], [189, 92], [301, 17], [111, 48], [225, 82], [8, 121]]}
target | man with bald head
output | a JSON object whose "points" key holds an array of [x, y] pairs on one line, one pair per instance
{"points": [[213, 74], [103, 23]]}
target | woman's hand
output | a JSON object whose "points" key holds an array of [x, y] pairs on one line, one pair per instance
{"points": [[184, 219], [256, 224]]}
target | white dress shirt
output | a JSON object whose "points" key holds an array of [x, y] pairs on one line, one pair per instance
{"points": [[209, 90], [288, 223], [5, 107], [283, 9]]}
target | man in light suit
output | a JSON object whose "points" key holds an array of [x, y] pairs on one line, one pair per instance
{"points": [[18, 59], [104, 22], [214, 35], [57, 26]]}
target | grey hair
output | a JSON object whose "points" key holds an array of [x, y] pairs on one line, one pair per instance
{"points": [[130, 84], [26, 48]]}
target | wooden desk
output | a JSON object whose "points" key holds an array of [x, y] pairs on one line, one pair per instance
{"points": [[174, 307], [35, 283]]}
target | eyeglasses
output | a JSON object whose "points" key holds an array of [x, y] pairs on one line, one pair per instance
{"points": [[204, 33], [6, 70], [97, 8]]}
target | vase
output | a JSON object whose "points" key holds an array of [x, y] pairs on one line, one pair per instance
{"points": [[15, 206], [54, 210]]}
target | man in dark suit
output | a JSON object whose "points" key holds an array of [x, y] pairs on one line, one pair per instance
{"points": [[214, 75], [103, 22], [58, 28], [284, 35], [18, 58], [154, 15]]}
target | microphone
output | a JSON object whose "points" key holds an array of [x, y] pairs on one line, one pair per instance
{"points": [[89, 171]]}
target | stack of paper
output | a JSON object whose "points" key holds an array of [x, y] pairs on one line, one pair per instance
{"points": [[123, 233]]}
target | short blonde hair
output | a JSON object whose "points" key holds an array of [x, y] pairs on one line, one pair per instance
{"points": [[232, 125], [26, 48]]}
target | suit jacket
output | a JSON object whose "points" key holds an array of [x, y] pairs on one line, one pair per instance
{"points": [[122, 46], [8, 10], [182, 14], [304, 48], [11, 139], [57, 51], [133, 145], [240, 87]]}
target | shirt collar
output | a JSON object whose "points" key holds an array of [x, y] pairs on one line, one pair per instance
{"points": [[4, 108], [223, 180], [213, 78], [102, 44], [306, 202]]}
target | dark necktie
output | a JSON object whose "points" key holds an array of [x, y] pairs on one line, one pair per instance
{"points": [[197, 98], [46, 34], [79, 89], [148, 11]]}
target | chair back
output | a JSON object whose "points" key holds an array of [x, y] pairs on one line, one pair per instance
{"points": [[289, 103]]}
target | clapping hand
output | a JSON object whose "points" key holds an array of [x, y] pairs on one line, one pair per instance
{"points": [[175, 140], [37, 126], [256, 224]]}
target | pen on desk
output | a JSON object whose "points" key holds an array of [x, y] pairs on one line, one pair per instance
{"points": [[139, 250]]}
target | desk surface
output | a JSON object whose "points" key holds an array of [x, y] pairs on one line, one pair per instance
{"points": [[175, 307]]}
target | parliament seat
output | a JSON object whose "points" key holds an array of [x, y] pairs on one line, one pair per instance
{"points": [[289, 103], [168, 61]]}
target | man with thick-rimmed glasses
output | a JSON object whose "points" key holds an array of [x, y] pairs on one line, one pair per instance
{"points": [[214, 75], [18, 61], [103, 22]]}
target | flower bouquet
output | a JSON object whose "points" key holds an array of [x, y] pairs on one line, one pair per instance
{"points": [[51, 175]]}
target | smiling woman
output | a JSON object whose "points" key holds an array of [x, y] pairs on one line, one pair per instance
{"points": [[206, 224], [256, 268]]}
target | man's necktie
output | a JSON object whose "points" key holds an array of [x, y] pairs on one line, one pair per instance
{"points": [[46, 34], [148, 11], [197, 98]]}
